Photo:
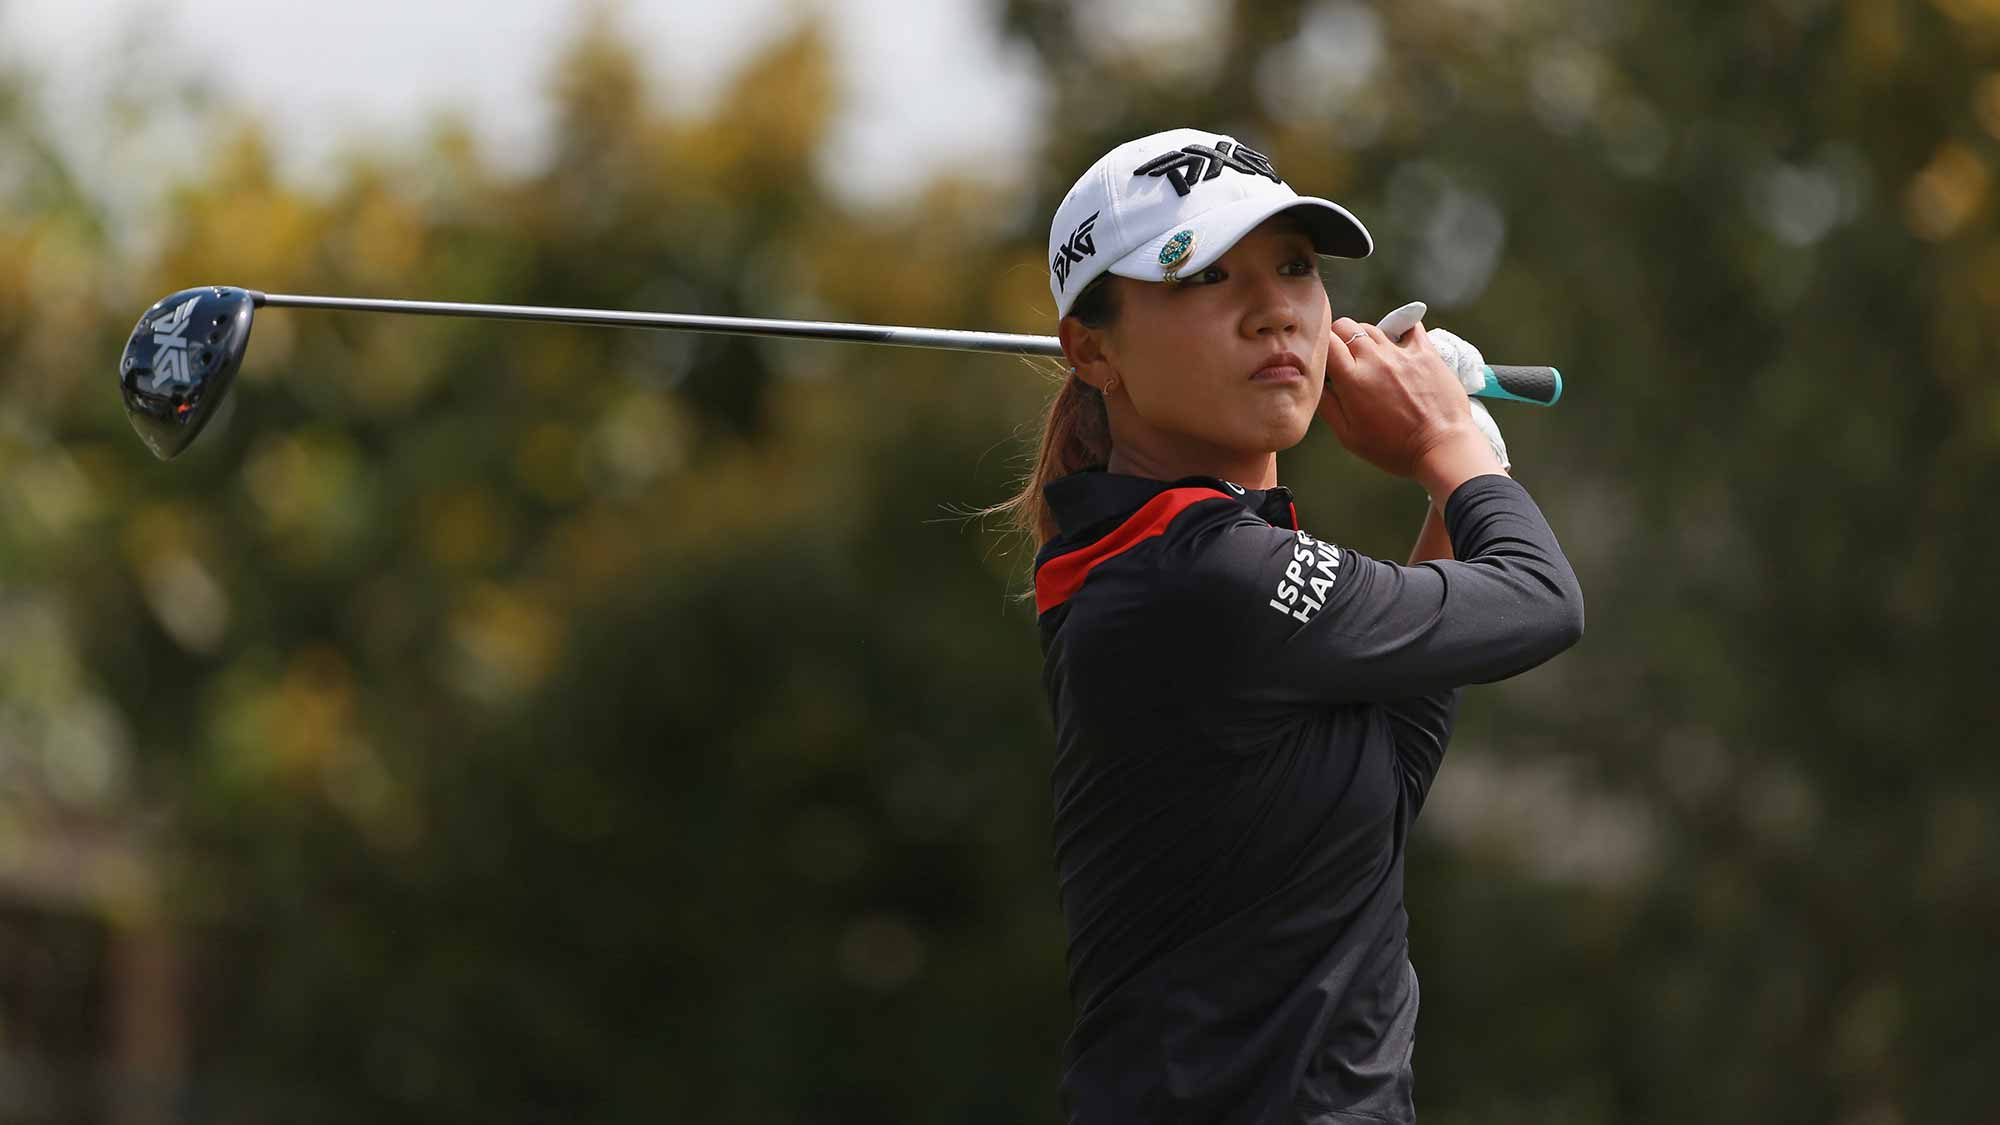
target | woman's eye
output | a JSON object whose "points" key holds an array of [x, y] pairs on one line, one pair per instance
{"points": [[1208, 276], [1299, 267]]}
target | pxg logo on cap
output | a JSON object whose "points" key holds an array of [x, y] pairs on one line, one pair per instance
{"points": [[1169, 204]]}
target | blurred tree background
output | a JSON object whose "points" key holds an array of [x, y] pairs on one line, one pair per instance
{"points": [[505, 722]]}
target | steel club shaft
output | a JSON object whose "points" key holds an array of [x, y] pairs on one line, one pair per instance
{"points": [[937, 338]]}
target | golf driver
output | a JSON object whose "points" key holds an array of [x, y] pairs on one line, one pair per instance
{"points": [[184, 353]]}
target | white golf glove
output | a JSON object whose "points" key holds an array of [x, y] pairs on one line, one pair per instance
{"points": [[1470, 367], [1464, 361]]}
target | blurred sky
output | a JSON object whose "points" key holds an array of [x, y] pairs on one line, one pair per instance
{"points": [[930, 82]]}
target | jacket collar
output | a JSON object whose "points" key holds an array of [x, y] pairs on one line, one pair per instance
{"points": [[1083, 500]]}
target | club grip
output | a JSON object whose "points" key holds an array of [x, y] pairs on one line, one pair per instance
{"points": [[1536, 386]]}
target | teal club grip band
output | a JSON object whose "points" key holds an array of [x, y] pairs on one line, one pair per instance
{"points": [[1536, 386]]}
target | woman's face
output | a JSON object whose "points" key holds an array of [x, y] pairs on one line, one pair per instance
{"points": [[1193, 360]]}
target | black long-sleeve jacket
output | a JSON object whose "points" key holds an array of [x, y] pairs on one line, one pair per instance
{"points": [[1247, 719]]}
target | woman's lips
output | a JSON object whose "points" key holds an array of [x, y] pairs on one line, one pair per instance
{"points": [[1280, 367]]}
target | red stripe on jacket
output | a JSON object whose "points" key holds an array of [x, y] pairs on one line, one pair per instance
{"points": [[1063, 575]]}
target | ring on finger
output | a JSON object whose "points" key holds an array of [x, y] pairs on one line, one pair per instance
{"points": [[1357, 336]]}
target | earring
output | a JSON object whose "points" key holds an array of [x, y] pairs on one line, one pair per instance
{"points": [[1111, 384]]}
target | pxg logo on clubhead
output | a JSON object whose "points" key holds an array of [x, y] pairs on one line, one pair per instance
{"points": [[179, 363]]}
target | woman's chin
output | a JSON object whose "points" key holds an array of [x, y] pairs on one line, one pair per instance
{"points": [[1286, 427]]}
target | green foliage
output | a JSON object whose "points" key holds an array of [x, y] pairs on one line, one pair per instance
{"points": [[558, 724]]}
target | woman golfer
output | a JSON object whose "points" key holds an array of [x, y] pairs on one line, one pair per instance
{"points": [[1248, 716]]}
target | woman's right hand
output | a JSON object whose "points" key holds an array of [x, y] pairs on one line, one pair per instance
{"points": [[1399, 406]]}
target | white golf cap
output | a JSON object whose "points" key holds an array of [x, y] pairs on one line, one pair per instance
{"points": [[1169, 204]]}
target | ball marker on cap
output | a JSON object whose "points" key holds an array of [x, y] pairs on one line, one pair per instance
{"points": [[1178, 249]]}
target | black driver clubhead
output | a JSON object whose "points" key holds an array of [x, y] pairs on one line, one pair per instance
{"points": [[180, 361]]}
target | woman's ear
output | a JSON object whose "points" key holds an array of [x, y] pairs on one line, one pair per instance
{"points": [[1083, 348]]}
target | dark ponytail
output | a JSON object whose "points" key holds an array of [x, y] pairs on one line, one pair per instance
{"points": [[1076, 433]]}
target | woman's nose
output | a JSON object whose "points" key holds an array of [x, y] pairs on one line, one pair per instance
{"points": [[1273, 310]]}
